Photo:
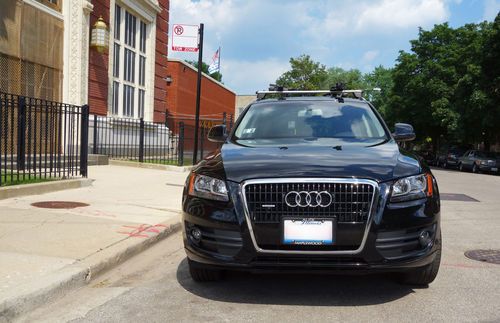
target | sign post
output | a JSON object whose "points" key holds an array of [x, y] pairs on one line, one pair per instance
{"points": [[198, 96], [189, 38]]}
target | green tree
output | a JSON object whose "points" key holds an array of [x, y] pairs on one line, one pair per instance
{"points": [[305, 74], [436, 86], [352, 79], [380, 78], [490, 83], [204, 69]]}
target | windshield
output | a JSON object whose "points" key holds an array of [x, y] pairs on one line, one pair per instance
{"points": [[290, 121]]}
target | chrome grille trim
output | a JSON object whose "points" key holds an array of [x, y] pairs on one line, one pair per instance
{"points": [[310, 180], [349, 203]]}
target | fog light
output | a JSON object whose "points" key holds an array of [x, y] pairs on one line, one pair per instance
{"points": [[195, 234], [425, 238]]}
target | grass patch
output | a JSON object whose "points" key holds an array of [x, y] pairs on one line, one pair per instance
{"points": [[12, 179]]}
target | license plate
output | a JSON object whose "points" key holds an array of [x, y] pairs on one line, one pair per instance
{"points": [[494, 169], [308, 231]]}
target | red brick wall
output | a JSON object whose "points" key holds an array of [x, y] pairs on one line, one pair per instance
{"points": [[98, 65], [161, 61], [215, 99]]}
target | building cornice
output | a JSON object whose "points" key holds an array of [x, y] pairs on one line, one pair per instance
{"points": [[147, 9]]}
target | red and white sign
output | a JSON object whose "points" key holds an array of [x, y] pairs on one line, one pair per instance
{"points": [[185, 38]]}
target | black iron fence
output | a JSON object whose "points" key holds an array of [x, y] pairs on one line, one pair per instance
{"points": [[169, 142], [135, 140], [187, 124], [41, 140]]}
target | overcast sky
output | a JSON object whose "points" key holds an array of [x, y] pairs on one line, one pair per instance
{"points": [[258, 37]]}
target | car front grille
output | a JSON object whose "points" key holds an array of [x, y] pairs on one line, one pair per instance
{"points": [[351, 201]]}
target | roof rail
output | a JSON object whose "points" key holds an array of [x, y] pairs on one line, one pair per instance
{"points": [[337, 91]]}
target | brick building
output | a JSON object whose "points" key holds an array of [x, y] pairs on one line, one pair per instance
{"points": [[45, 53], [216, 98]]}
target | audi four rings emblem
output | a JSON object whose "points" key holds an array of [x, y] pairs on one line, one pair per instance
{"points": [[305, 199]]}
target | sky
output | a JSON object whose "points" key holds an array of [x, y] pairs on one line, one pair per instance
{"points": [[258, 37]]}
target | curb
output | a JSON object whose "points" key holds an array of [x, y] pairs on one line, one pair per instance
{"points": [[180, 169], [41, 188], [80, 273]]}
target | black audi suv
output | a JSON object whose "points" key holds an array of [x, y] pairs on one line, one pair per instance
{"points": [[316, 184]]}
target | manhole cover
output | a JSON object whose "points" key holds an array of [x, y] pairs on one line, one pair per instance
{"points": [[490, 256], [59, 204], [457, 197]]}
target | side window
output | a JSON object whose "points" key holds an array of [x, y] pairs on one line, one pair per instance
{"points": [[471, 154]]}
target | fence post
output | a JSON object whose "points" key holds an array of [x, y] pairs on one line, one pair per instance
{"points": [[180, 147], [84, 140], [94, 148], [224, 116], [21, 133], [231, 122], [141, 141]]}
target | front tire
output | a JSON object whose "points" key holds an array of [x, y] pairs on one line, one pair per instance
{"points": [[475, 169], [425, 275], [461, 167], [201, 274]]}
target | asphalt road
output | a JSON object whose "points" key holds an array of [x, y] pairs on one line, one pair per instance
{"points": [[155, 286]]}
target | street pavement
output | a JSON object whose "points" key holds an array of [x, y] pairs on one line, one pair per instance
{"points": [[42, 248], [155, 286]]}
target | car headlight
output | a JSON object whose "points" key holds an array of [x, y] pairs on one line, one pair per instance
{"points": [[484, 162], [208, 187], [412, 188]]}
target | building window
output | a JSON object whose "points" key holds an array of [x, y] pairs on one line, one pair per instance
{"points": [[54, 4], [128, 97]]}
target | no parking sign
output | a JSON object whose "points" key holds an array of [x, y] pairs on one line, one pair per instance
{"points": [[185, 38]]}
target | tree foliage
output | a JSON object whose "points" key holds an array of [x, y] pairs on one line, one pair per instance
{"points": [[305, 74], [204, 69], [447, 86], [438, 87]]}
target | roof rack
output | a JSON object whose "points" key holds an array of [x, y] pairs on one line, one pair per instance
{"points": [[336, 91]]}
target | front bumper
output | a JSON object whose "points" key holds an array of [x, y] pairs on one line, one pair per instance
{"points": [[392, 240]]}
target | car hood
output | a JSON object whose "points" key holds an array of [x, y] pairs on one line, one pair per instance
{"points": [[380, 163]]}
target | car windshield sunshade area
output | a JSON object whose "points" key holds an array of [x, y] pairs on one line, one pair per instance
{"points": [[304, 120]]}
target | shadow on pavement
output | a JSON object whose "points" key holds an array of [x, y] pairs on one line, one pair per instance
{"points": [[295, 289]]}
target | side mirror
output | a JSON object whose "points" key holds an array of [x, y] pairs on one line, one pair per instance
{"points": [[403, 132], [217, 133]]}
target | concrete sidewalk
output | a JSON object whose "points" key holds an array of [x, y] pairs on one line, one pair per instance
{"points": [[43, 252]]}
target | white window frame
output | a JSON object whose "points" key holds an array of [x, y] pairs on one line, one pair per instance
{"points": [[149, 19]]}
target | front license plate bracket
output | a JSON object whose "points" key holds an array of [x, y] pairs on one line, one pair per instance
{"points": [[309, 231]]}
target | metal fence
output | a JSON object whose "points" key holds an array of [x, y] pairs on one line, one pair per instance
{"points": [[187, 124], [169, 142], [135, 140], [41, 139]]}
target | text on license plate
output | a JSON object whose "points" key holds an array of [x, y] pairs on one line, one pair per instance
{"points": [[308, 231]]}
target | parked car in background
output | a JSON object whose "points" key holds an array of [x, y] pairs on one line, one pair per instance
{"points": [[448, 157], [479, 161]]}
